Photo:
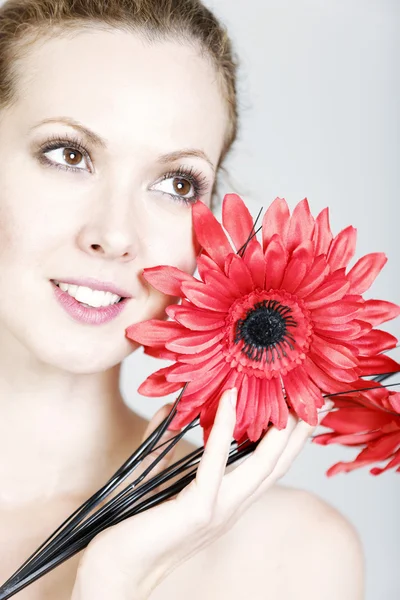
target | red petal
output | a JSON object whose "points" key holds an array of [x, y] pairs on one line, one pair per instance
{"points": [[336, 354], [336, 313], [375, 365], [317, 274], [275, 263], [240, 274], [348, 375], [328, 293], [206, 264], [298, 266], [354, 439], [188, 372], [342, 248], [162, 353], [391, 464], [346, 467], [222, 284], [263, 407], [348, 331], [379, 311], [246, 400], [154, 332], [237, 221], [322, 233], [195, 341], [196, 319], [375, 341], [381, 449], [167, 279], [241, 405], [365, 271], [203, 297], [275, 398], [210, 234], [394, 401], [194, 359], [201, 389], [253, 427], [301, 226], [350, 347], [275, 221], [182, 418], [254, 259], [324, 381], [303, 395], [355, 419], [209, 410], [248, 415], [156, 385]]}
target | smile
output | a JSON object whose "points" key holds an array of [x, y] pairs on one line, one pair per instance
{"points": [[84, 305]]}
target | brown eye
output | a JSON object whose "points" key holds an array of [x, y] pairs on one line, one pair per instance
{"points": [[72, 157], [181, 186], [65, 155]]}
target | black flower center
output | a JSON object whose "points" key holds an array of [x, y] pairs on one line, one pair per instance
{"points": [[264, 331]]}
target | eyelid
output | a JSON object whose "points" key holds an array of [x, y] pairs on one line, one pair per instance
{"points": [[197, 179], [64, 141]]}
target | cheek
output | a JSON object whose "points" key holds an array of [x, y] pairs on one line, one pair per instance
{"points": [[26, 218], [172, 242]]}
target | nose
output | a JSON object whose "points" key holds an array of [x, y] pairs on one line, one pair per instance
{"points": [[111, 232]]}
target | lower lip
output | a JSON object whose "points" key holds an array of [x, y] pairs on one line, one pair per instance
{"points": [[83, 314]]}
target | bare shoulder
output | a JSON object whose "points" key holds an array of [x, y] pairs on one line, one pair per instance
{"points": [[311, 542], [302, 545]]}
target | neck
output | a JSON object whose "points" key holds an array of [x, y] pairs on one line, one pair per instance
{"points": [[62, 434]]}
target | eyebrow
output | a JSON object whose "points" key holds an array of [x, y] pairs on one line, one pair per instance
{"points": [[100, 142]]}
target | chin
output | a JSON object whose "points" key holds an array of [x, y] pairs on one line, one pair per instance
{"points": [[80, 357]]}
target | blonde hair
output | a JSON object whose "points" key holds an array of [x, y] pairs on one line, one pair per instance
{"points": [[24, 22]]}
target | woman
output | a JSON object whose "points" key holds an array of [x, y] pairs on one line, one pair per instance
{"points": [[115, 116]]}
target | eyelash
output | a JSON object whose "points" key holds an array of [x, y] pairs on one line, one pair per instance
{"points": [[196, 178]]}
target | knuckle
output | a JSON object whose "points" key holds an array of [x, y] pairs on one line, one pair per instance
{"points": [[202, 516], [261, 469], [281, 470], [199, 510]]}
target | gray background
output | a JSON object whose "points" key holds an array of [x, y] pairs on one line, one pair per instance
{"points": [[319, 88], [319, 91]]}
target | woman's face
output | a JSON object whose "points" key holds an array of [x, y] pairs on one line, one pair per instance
{"points": [[104, 204]]}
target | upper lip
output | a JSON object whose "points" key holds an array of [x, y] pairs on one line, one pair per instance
{"points": [[95, 284]]}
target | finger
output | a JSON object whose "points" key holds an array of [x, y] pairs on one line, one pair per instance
{"points": [[300, 436], [298, 439], [244, 481], [213, 463]]}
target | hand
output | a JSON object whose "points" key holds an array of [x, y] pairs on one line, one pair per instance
{"points": [[130, 559]]}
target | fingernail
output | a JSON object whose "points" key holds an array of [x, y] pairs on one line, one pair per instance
{"points": [[324, 410], [233, 397]]}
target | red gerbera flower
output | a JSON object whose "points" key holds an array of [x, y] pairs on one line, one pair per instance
{"points": [[282, 320], [373, 425]]}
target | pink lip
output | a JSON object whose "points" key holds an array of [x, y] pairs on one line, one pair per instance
{"points": [[83, 314], [95, 284]]}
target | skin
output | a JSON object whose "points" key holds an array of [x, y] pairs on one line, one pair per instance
{"points": [[110, 221], [51, 220]]}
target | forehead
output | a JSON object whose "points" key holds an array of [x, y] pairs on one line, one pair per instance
{"points": [[121, 86]]}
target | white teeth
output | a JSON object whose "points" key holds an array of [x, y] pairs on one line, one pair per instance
{"points": [[86, 295]]}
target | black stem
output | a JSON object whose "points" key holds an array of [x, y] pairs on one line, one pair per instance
{"points": [[119, 476], [7, 591]]}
